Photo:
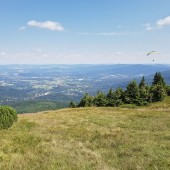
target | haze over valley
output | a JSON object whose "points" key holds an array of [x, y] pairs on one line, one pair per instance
{"points": [[64, 83]]}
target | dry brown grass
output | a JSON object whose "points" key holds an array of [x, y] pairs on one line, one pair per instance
{"points": [[89, 138]]}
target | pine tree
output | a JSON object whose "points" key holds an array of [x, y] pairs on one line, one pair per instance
{"points": [[118, 96], [144, 93], [109, 98], [132, 92], [110, 94], [100, 99], [142, 83], [115, 98], [86, 101], [158, 88], [157, 93], [158, 79]]}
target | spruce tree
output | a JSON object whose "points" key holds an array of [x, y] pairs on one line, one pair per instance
{"points": [[132, 93], [142, 83], [144, 93], [157, 93], [100, 99], [115, 98], [158, 79], [109, 98], [158, 88], [118, 96], [86, 101]]}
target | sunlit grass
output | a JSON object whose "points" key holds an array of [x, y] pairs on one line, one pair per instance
{"points": [[89, 138]]}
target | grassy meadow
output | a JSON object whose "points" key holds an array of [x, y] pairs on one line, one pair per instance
{"points": [[89, 138]]}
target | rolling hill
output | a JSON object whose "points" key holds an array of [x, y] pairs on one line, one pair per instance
{"points": [[89, 138]]}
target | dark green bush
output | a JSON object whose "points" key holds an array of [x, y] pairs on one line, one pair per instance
{"points": [[7, 116]]}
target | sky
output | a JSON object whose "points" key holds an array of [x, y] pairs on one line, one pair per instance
{"points": [[84, 31]]}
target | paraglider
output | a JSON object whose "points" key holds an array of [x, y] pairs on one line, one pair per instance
{"points": [[152, 52]]}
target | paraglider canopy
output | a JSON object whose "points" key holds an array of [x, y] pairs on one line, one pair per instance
{"points": [[151, 52]]}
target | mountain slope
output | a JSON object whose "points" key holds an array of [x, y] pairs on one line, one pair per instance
{"points": [[166, 75], [89, 138]]}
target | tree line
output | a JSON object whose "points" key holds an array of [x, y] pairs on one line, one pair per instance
{"points": [[139, 94]]}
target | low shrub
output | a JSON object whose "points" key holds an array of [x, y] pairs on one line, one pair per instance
{"points": [[8, 115]]}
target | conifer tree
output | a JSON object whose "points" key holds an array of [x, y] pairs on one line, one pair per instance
{"points": [[109, 98], [86, 101], [158, 88], [100, 99], [142, 83], [144, 93], [158, 79], [115, 98], [157, 93], [132, 92], [118, 96]]}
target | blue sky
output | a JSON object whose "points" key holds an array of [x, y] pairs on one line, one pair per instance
{"points": [[84, 31]]}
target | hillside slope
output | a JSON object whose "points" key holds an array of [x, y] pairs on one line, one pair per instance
{"points": [[89, 138]]}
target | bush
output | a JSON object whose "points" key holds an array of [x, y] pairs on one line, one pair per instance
{"points": [[7, 116]]}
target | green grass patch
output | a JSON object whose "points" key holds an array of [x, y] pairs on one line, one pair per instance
{"points": [[89, 138]]}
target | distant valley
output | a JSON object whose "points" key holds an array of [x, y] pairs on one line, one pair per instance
{"points": [[30, 88]]}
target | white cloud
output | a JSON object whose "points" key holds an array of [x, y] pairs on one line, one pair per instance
{"points": [[163, 22], [159, 24], [50, 25]]}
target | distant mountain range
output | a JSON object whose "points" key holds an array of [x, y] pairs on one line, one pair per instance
{"points": [[165, 74]]}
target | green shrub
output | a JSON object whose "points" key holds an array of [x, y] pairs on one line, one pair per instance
{"points": [[7, 116]]}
